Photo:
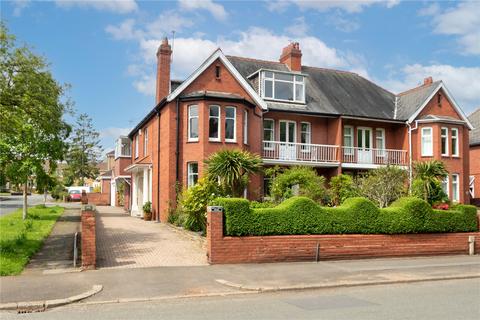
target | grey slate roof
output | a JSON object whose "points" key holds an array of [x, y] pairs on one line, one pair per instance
{"points": [[474, 119], [328, 91], [409, 101]]}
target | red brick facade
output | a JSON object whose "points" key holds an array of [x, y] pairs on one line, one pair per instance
{"points": [[89, 249], [475, 171]]}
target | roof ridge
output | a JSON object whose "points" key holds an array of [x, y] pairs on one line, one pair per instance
{"points": [[423, 86], [474, 112], [330, 69]]}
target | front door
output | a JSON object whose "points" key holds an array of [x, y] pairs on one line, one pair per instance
{"points": [[288, 134], [364, 144]]}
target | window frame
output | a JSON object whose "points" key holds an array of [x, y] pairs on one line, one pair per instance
{"points": [[350, 151], [383, 138], [269, 146], [456, 144], [219, 125], [294, 83], [423, 150], [287, 123], [245, 126], [136, 146], [145, 141], [191, 174], [442, 137], [307, 147], [455, 187], [189, 129], [447, 184], [234, 139]]}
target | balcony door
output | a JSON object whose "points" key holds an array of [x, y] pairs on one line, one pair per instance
{"points": [[288, 137], [364, 144]]}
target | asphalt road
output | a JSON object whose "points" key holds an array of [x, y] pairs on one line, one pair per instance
{"points": [[12, 203], [454, 299]]}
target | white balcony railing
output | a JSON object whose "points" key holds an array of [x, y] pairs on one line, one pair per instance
{"points": [[374, 156], [300, 152]]}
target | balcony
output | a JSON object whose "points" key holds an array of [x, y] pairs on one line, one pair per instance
{"points": [[290, 153], [354, 157]]}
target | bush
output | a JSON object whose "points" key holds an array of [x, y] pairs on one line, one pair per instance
{"points": [[435, 194], [309, 183], [301, 215], [264, 204], [383, 185], [342, 187]]}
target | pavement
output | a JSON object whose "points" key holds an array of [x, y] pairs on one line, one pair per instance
{"points": [[160, 283]]}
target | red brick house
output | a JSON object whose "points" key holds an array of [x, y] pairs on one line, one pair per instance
{"points": [[475, 157], [290, 114]]}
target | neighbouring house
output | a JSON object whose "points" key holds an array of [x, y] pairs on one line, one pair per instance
{"points": [[475, 157], [290, 114]]}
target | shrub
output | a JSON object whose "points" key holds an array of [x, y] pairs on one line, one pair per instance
{"points": [[435, 193], [264, 204], [428, 176], [342, 187], [306, 179]]}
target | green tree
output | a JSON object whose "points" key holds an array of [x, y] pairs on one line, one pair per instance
{"points": [[428, 177], [32, 106], [383, 185], [232, 168], [342, 187], [84, 152]]}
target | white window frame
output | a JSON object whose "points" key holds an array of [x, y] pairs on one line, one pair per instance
{"points": [[245, 126], [219, 125], [424, 151], [380, 150], [190, 138], [446, 181], [349, 150], [287, 122], [294, 84], [456, 144], [455, 187], [306, 148], [145, 141], [442, 137], [191, 174], [269, 146], [234, 124], [136, 145]]}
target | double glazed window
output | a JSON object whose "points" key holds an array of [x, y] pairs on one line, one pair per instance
{"points": [[283, 86], [136, 145], [214, 123], [230, 124], [348, 139], [192, 176], [268, 133], [455, 187], [305, 136], [193, 123], [444, 141], [454, 133], [245, 127], [427, 144]]}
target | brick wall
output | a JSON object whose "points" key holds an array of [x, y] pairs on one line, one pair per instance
{"points": [[99, 199], [89, 250], [222, 249]]}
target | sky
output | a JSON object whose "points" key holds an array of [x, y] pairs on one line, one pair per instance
{"points": [[106, 49]]}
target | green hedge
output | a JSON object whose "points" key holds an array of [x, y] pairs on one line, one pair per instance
{"points": [[301, 215]]}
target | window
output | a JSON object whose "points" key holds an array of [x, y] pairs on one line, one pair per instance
{"points": [[444, 141], [136, 146], [454, 142], [230, 117], [145, 141], [214, 123], [439, 100], [193, 123], [427, 145], [268, 133], [245, 127], [217, 72], [455, 188], [283, 86], [192, 178], [348, 140], [445, 185], [380, 141], [305, 136]]}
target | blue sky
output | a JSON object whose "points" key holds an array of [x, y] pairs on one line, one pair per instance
{"points": [[106, 49]]}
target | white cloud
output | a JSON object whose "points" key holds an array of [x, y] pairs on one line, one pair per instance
{"points": [[462, 21], [462, 82], [341, 23], [430, 10], [18, 6], [113, 132], [124, 31], [215, 9], [115, 6], [298, 28], [349, 6]]}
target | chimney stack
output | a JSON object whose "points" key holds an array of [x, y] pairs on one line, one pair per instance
{"points": [[292, 56], [427, 81], [164, 54]]}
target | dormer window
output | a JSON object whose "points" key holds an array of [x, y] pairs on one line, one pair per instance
{"points": [[283, 86]]}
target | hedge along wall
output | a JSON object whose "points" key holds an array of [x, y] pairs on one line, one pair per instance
{"points": [[300, 215], [286, 233]]}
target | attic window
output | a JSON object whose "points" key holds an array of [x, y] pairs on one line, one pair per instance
{"points": [[283, 86], [217, 72]]}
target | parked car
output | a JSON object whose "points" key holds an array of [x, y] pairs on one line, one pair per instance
{"points": [[74, 195]]}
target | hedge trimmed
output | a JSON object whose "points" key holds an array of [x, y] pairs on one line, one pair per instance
{"points": [[301, 215]]}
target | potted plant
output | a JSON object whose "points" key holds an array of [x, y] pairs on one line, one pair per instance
{"points": [[147, 211]]}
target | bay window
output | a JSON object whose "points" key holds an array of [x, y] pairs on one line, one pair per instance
{"points": [[193, 123], [245, 127], [283, 86], [230, 124], [427, 144], [192, 173], [455, 187], [444, 141], [454, 142], [445, 186], [214, 123], [136, 145]]}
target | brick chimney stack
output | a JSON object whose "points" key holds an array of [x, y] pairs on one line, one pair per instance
{"points": [[292, 56], [164, 54], [427, 81]]}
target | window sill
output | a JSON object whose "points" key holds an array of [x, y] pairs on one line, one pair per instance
{"points": [[230, 141], [192, 141], [457, 156], [214, 140]]}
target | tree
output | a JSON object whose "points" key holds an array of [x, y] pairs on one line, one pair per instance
{"points": [[383, 185], [32, 129], [232, 168], [428, 176], [342, 187], [84, 152]]}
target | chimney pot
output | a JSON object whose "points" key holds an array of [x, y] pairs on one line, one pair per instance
{"points": [[292, 56], [427, 81], [164, 54]]}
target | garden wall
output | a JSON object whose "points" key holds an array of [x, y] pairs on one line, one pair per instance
{"points": [[99, 199], [254, 249]]}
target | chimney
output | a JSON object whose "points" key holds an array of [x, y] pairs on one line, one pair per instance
{"points": [[427, 81], [164, 54], [292, 56]]}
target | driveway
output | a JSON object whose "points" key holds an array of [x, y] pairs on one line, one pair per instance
{"points": [[127, 242]]}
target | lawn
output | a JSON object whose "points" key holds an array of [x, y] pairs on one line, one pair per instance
{"points": [[19, 239]]}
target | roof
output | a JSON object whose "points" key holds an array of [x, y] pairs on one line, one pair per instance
{"points": [[106, 174], [411, 100], [474, 118]]}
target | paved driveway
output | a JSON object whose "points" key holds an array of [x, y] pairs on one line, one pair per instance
{"points": [[127, 242]]}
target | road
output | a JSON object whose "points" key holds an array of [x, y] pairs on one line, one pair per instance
{"points": [[12, 203], [454, 299]]}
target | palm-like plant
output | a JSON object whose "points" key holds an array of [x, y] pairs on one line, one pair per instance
{"points": [[231, 168], [430, 173]]}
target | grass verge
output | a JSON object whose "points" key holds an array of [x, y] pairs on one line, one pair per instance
{"points": [[20, 239]]}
